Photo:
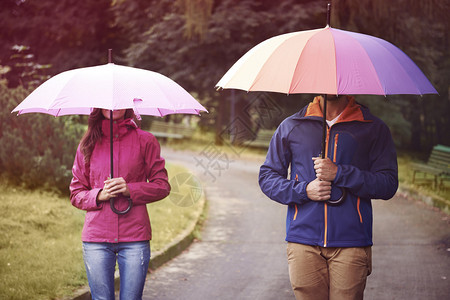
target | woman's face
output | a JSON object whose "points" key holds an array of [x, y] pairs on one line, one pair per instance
{"points": [[117, 114]]}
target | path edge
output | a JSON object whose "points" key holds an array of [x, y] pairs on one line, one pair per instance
{"points": [[408, 192]]}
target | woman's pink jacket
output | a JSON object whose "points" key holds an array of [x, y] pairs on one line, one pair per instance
{"points": [[137, 159]]}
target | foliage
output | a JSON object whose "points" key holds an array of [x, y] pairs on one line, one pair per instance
{"points": [[37, 150], [65, 33], [23, 70], [197, 14]]}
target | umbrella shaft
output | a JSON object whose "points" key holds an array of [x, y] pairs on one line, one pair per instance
{"points": [[111, 142], [324, 125], [328, 14]]}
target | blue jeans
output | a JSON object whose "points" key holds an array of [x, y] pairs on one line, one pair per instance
{"points": [[100, 262]]}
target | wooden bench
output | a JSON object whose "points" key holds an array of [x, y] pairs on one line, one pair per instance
{"points": [[262, 139], [171, 130], [438, 166]]}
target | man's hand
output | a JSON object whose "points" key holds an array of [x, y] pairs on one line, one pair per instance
{"points": [[318, 190], [113, 187], [325, 168]]}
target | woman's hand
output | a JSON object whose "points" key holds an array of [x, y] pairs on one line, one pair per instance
{"points": [[113, 188]]}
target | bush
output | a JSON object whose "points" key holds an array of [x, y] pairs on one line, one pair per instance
{"points": [[37, 149]]}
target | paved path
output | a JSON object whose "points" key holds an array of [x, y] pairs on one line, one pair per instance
{"points": [[411, 253], [242, 253]]}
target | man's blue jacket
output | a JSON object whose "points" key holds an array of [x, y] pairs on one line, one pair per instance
{"points": [[362, 148]]}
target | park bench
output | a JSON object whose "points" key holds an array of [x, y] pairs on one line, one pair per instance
{"points": [[262, 139], [438, 166], [171, 130]]}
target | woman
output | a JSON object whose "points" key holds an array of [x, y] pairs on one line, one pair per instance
{"points": [[140, 174]]}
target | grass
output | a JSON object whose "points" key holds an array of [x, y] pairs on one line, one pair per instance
{"points": [[40, 247], [40, 244]]}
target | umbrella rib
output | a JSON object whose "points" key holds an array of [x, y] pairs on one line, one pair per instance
{"points": [[335, 63], [256, 79], [375, 70], [291, 88], [298, 82], [291, 84], [165, 93], [370, 63], [418, 91]]}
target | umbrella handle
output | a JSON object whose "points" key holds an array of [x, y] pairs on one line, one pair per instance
{"points": [[340, 200], [111, 201], [120, 212]]}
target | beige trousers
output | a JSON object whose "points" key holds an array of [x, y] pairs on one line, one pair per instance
{"points": [[319, 273]]}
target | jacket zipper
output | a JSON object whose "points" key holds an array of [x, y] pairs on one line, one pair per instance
{"points": [[325, 207], [296, 209], [336, 137], [326, 223]]}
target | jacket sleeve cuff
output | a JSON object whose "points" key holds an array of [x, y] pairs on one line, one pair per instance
{"points": [[303, 196], [91, 203]]}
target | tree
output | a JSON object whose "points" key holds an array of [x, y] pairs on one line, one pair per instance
{"points": [[420, 29], [65, 34]]}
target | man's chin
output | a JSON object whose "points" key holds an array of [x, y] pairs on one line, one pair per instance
{"points": [[332, 98]]}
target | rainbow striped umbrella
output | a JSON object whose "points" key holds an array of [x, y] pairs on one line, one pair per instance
{"points": [[327, 61]]}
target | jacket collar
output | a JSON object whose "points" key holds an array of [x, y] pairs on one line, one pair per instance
{"points": [[120, 127], [352, 111]]}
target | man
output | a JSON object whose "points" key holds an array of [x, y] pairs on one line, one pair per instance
{"points": [[329, 246]]}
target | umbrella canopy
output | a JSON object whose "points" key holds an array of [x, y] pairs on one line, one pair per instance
{"points": [[327, 61], [110, 87]]}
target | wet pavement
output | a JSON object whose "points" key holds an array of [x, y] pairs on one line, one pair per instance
{"points": [[242, 252]]}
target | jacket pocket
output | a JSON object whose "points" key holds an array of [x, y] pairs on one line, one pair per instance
{"points": [[336, 138], [359, 211]]}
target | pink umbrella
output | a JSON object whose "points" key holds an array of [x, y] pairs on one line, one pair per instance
{"points": [[327, 61], [110, 87]]}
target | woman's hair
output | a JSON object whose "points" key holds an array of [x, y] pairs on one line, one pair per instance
{"points": [[94, 131]]}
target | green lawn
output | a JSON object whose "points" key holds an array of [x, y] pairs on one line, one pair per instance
{"points": [[40, 245]]}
